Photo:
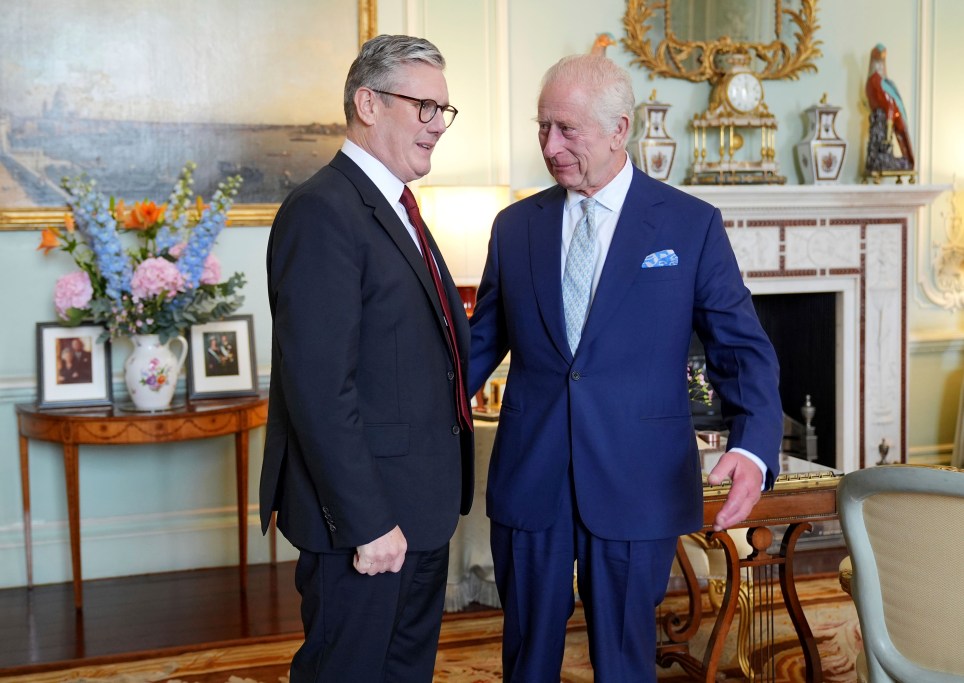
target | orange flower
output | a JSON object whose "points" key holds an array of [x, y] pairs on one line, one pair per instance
{"points": [[120, 211], [200, 207], [144, 215], [49, 239], [69, 222]]}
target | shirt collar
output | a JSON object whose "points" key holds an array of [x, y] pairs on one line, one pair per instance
{"points": [[377, 172], [612, 195]]}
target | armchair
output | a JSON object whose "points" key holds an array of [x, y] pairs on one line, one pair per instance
{"points": [[903, 528]]}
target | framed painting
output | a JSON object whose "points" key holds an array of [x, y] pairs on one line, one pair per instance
{"points": [[254, 90], [73, 367], [221, 359]]}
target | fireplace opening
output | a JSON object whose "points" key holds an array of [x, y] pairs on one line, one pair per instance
{"points": [[802, 329]]}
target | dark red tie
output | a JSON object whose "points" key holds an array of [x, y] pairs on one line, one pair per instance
{"points": [[411, 206]]}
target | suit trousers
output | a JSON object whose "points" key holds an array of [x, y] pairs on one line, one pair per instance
{"points": [[620, 585], [369, 629]]}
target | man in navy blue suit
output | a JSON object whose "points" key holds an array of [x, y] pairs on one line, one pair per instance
{"points": [[595, 286], [368, 450]]}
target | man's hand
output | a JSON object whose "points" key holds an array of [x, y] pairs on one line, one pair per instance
{"points": [[744, 491], [384, 554]]}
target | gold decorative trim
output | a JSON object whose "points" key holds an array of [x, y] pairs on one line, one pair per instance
{"points": [[14, 220], [669, 56], [367, 20]]}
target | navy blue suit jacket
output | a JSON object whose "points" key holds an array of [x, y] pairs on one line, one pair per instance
{"points": [[619, 411], [362, 426]]}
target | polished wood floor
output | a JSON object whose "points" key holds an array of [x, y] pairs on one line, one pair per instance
{"points": [[157, 614], [149, 614]]}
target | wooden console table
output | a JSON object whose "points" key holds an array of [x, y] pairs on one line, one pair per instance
{"points": [[115, 426], [804, 493]]}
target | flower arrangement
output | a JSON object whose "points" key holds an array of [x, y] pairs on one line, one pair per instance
{"points": [[148, 269], [700, 389]]}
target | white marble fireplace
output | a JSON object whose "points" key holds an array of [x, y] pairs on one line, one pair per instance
{"points": [[854, 241]]}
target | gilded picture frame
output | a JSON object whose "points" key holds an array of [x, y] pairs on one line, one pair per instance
{"points": [[257, 92]]}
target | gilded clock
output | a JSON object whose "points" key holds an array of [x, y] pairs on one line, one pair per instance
{"points": [[734, 140]]}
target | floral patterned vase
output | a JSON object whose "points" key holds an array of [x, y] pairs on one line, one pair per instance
{"points": [[151, 371]]}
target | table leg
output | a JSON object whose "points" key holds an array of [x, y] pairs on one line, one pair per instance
{"points": [[72, 480], [273, 537], [25, 495], [811, 657], [241, 464]]}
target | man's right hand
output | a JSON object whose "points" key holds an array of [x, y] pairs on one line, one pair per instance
{"points": [[384, 554]]}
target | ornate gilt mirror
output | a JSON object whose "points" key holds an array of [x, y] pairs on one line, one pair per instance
{"points": [[693, 39]]}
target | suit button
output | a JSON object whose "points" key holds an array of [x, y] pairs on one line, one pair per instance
{"points": [[575, 375], [451, 375], [455, 429]]}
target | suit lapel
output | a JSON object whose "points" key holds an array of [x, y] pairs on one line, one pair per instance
{"points": [[545, 250], [392, 224], [634, 238]]}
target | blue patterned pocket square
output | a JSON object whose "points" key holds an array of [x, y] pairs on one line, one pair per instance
{"points": [[666, 257]]}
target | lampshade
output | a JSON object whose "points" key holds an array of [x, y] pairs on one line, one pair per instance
{"points": [[460, 218]]}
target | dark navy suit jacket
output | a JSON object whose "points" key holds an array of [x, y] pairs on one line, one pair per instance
{"points": [[618, 413], [362, 426]]}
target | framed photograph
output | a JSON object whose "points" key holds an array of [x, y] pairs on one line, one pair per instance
{"points": [[221, 359], [204, 88], [73, 368]]}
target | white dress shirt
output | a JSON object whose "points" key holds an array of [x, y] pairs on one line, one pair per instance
{"points": [[609, 206], [384, 180]]}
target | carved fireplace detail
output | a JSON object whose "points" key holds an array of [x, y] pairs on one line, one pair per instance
{"points": [[852, 241]]}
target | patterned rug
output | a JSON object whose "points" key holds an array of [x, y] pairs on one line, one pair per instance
{"points": [[469, 650]]}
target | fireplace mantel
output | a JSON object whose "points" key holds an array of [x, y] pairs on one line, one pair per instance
{"points": [[819, 200], [853, 241]]}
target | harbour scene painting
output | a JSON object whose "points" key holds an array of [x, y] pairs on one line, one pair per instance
{"points": [[128, 92]]}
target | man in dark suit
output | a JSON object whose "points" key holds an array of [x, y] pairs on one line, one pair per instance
{"points": [[595, 287], [368, 452]]}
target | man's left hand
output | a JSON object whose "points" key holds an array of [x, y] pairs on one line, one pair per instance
{"points": [[744, 491]]}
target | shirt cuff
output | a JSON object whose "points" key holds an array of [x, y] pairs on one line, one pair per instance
{"points": [[756, 461]]}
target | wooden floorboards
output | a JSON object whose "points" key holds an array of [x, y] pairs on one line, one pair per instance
{"points": [[149, 614], [157, 614]]}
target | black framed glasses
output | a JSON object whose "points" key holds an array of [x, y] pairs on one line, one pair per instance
{"points": [[427, 108]]}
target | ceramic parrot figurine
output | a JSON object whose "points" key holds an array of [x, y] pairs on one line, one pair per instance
{"points": [[882, 94], [603, 40]]}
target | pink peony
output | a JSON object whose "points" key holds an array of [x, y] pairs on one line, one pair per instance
{"points": [[156, 275], [212, 271], [72, 291], [176, 250]]}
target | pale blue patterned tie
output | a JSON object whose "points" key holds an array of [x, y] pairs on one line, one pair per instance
{"points": [[577, 280]]}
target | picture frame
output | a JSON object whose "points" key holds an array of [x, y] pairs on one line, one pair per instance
{"points": [[221, 359], [57, 123], [73, 366]]}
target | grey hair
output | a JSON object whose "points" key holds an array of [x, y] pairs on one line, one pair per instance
{"points": [[610, 87], [378, 61]]}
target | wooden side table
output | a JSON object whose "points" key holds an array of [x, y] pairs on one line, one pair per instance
{"points": [[114, 426]]}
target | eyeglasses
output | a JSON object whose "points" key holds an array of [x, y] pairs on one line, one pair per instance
{"points": [[427, 109]]}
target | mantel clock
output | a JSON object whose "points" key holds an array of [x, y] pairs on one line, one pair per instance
{"points": [[734, 140]]}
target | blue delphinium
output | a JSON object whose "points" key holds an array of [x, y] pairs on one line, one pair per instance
{"points": [[96, 224]]}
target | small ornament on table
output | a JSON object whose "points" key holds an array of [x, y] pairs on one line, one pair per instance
{"points": [[883, 449], [888, 122], [821, 154], [655, 149]]}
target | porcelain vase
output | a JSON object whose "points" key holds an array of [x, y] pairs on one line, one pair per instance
{"points": [[655, 149], [152, 369], [821, 154]]}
